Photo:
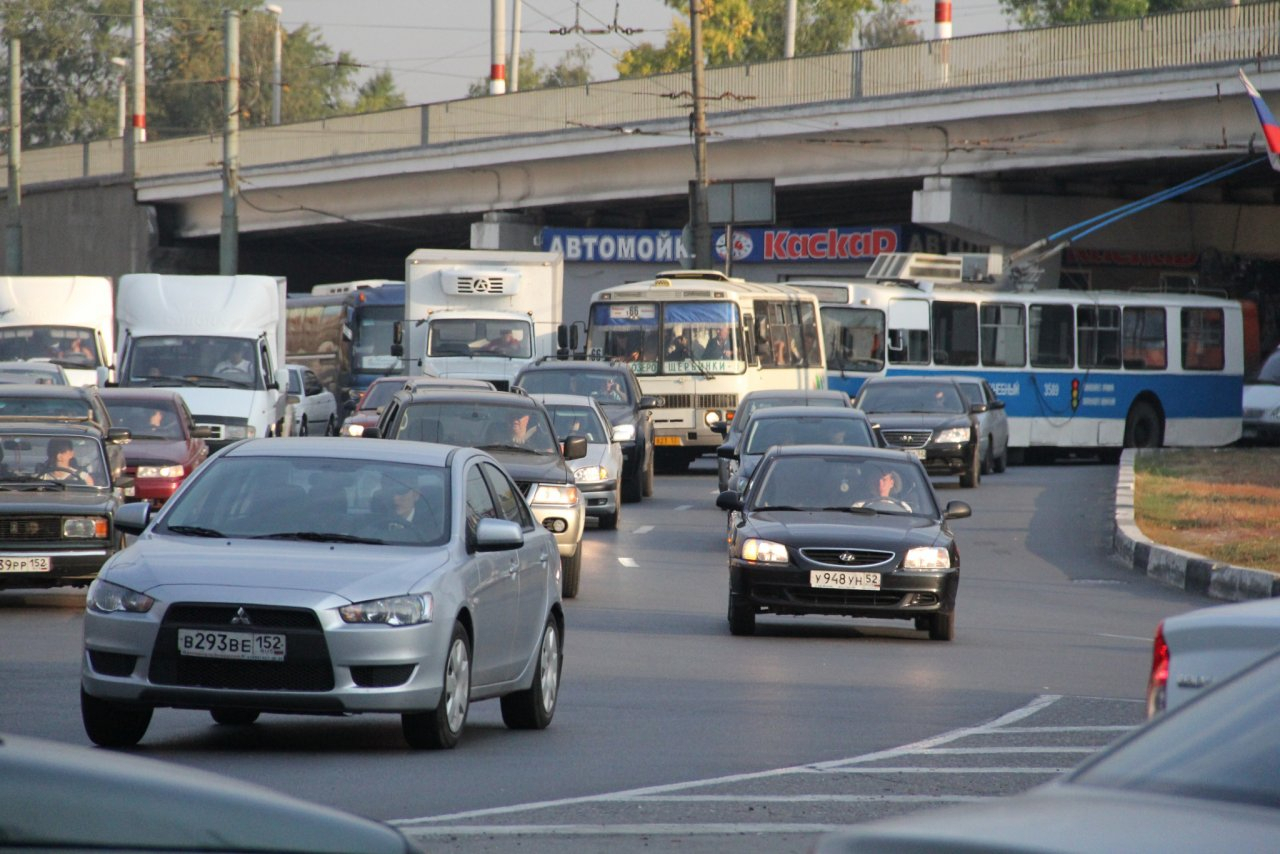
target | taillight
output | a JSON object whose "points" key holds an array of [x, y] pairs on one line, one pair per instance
{"points": [[1157, 685]]}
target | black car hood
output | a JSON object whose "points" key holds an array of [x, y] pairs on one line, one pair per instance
{"points": [[619, 413], [529, 467], [15, 499], [894, 532], [918, 420]]}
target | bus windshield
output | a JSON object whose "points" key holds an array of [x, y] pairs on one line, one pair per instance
{"points": [[670, 338], [371, 348]]}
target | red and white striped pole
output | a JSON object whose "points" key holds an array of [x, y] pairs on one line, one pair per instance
{"points": [[942, 27], [498, 49]]}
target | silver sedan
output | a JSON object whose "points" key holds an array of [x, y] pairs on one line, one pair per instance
{"points": [[327, 576]]}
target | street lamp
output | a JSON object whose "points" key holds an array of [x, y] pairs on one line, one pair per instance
{"points": [[122, 98], [275, 64]]}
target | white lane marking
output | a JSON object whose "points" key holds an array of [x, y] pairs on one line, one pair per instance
{"points": [[977, 751], [626, 561], [738, 829], [1124, 637], [643, 529], [933, 769], [1036, 705], [680, 507]]}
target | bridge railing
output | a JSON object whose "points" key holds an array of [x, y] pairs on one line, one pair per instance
{"points": [[1215, 36]]}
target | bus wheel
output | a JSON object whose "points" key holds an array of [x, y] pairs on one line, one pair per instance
{"points": [[1143, 429]]}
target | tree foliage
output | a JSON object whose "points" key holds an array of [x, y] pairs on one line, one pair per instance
{"points": [[1041, 13], [743, 31], [70, 86], [573, 69], [888, 26]]}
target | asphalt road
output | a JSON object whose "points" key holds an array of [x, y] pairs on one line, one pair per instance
{"points": [[673, 735]]}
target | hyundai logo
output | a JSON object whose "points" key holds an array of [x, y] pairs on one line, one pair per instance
{"points": [[848, 557], [241, 618]]}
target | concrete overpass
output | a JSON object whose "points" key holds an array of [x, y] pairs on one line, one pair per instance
{"points": [[995, 140]]}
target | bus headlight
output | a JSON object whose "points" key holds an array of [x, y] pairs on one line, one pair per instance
{"points": [[712, 417]]}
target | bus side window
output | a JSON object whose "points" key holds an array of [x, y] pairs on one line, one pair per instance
{"points": [[749, 344]]}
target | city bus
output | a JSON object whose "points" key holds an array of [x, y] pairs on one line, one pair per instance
{"points": [[1077, 369], [343, 332], [701, 340]]}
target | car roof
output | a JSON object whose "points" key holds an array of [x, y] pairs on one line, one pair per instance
{"points": [[372, 450], [140, 395], [447, 382], [37, 364], [576, 365], [566, 399], [794, 393], [807, 412], [49, 427], [892, 455], [912, 380], [434, 395], [70, 392]]}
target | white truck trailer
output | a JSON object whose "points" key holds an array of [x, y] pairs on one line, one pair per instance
{"points": [[219, 340], [62, 319], [480, 314]]}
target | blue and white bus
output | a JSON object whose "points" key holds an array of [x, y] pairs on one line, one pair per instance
{"points": [[1076, 369]]}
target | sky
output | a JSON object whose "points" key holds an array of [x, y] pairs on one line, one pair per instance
{"points": [[435, 49]]}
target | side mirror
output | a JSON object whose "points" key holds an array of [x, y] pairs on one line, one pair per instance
{"points": [[575, 447], [371, 433], [978, 408], [101, 375], [134, 517], [729, 500], [498, 535], [294, 399], [282, 378], [649, 401], [957, 510], [996, 404], [721, 427], [119, 435], [726, 452]]}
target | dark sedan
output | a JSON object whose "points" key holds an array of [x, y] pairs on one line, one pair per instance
{"points": [[853, 532], [929, 417], [165, 446], [793, 425]]}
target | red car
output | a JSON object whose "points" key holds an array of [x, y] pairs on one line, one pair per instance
{"points": [[369, 407], [166, 445]]}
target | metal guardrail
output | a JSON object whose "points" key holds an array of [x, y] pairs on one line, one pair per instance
{"points": [[1215, 36]]}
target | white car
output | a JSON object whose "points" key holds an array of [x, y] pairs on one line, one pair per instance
{"points": [[1262, 403], [1195, 650], [315, 409], [599, 473]]}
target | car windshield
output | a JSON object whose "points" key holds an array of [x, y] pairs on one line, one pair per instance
{"points": [[72, 347], [604, 386], [763, 433], [1270, 372], [1221, 747], [147, 420], [33, 460], [828, 482], [482, 425], [911, 397], [569, 420], [380, 394], [756, 404], [315, 499], [34, 373]]}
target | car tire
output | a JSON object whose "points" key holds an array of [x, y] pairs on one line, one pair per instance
{"points": [[973, 474], [633, 485], [609, 522], [1002, 462], [331, 427], [742, 616], [234, 717], [302, 427], [570, 570], [112, 724], [942, 626], [441, 728], [534, 707], [648, 473], [988, 458]]}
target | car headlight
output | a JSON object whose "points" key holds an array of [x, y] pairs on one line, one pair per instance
{"points": [[238, 431], [161, 471], [393, 611], [107, 598], [952, 434], [85, 527], [624, 432], [763, 551], [555, 493], [927, 557], [591, 474], [353, 429]]}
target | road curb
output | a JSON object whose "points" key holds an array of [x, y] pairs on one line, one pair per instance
{"points": [[1186, 570]]}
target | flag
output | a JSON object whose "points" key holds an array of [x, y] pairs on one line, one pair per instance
{"points": [[1270, 128]]}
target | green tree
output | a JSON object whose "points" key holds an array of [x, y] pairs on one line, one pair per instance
{"points": [[1041, 13], [378, 93], [741, 31], [888, 26], [573, 69]]}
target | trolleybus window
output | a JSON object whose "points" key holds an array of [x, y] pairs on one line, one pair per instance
{"points": [[1051, 336], [1145, 342], [1004, 335]]}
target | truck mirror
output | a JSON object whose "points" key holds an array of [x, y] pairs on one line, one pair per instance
{"points": [[281, 378]]}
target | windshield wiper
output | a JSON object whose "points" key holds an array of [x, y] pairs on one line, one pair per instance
{"points": [[773, 507], [864, 511], [318, 537], [500, 446], [195, 531]]}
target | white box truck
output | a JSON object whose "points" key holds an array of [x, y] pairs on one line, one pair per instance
{"points": [[63, 319], [219, 340], [480, 314]]}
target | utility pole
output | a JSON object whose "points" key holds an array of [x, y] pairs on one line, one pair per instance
{"points": [[13, 230], [789, 31], [277, 59], [138, 130], [229, 247], [513, 67], [122, 95], [699, 214], [498, 49]]}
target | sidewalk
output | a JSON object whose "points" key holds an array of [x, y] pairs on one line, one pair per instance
{"points": [[1188, 571]]}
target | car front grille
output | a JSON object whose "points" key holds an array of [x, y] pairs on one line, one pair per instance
{"points": [[31, 528], [306, 667], [906, 438], [847, 558], [779, 595]]}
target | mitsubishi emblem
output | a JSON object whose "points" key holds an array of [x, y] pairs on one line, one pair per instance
{"points": [[241, 618]]}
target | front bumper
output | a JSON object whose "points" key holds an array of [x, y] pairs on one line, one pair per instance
{"points": [[601, 497], [330, 667], [564, 522], [67, 567], [903, 594], [1260, 430]]}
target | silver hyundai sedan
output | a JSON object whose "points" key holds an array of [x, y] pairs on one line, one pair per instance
{"points": [[326, 576]]}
